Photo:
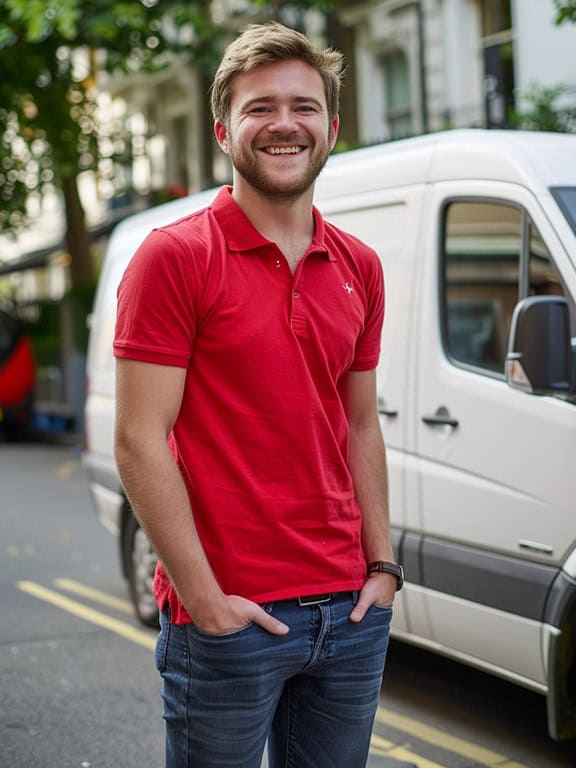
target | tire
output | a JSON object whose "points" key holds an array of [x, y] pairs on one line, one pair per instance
{"points": [[140, 560]]}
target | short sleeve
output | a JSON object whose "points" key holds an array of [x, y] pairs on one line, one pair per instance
{"points": [[156, 319], [367, 351]]}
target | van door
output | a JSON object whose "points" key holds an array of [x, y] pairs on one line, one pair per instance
{"points": [[389, 221], [496, 466]]}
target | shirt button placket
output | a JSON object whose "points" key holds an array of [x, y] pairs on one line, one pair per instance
{"points": [[298, 321]]}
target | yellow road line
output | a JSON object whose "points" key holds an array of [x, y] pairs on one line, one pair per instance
{"points": [[65, 470], [438, 738], [383, 748], [68, 585], [148, 641], [379, 746], [145, 639]]}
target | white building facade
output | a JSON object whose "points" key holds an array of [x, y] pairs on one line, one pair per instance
{"points": [[415, 66], [429, 65]]}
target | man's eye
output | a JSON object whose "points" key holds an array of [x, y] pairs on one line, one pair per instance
{"points": [[259, 110]]}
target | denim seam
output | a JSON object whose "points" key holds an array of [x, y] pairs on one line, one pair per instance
{"points": [[161, 650], [289, 730], [189, 675], [325, 626]]}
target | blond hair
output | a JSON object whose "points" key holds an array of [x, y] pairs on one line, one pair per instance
{"points": [[262, 44]]}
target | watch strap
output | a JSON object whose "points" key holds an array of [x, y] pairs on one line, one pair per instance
{"points": [[384, 566]]}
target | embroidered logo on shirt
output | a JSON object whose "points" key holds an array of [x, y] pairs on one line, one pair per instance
{"points": [[348, 288]]}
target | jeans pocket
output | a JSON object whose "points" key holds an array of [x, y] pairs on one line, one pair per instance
{"points": [[223, 635], [381, 612], [161, 648]]}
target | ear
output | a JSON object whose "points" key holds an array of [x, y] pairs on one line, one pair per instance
{"points": [[334, 125], [221, 136]]}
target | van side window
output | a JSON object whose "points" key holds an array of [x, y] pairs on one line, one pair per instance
{"points": [[543, 277], [493, 255], [480, 282], [544, 280]]}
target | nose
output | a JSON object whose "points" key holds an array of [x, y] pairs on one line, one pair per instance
{"points": [[283, 120]]}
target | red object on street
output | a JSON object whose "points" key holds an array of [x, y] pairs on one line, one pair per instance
{"points": [[17, 374]]}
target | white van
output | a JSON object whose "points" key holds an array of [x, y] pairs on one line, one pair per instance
{"points": [[477, 392]]}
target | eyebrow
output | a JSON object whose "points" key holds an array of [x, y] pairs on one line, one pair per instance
{"points": [[273, 99]]}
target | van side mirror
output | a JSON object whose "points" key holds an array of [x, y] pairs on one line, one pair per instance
{"points": [[540, 354]]}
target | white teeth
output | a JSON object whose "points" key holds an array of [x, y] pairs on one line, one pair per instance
{"points": [[283, 150]]}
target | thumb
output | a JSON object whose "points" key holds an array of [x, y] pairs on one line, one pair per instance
{"points": [[269, 623], [359, 611]]}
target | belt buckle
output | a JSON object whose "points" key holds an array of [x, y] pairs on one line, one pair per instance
{"points": [[315, 599]]}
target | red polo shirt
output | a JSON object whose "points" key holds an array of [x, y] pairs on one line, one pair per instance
{"points": [[262, 437]]}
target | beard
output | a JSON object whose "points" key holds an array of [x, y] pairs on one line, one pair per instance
{"points": [[271, 184]]}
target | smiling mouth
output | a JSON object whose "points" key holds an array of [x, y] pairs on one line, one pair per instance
{"points": [[283, 150]]}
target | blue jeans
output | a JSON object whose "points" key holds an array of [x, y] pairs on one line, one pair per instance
{"points": [[312, 693]]}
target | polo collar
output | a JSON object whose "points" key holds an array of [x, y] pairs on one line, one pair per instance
{"points": [[241, 235]]}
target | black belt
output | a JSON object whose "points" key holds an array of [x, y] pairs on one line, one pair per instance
{"points": [[307, 600]]}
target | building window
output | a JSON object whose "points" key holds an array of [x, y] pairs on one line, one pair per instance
{"points": [[398, 101], [496, 16], [497, 41]]}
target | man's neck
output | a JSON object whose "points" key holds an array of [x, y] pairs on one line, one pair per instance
{"points": [[290, 223]]}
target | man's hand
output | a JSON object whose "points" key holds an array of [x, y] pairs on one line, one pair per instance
{"points": [[233, 613], [379, 589]]}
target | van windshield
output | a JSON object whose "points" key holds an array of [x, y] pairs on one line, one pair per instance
{"points": [[566, 199]]}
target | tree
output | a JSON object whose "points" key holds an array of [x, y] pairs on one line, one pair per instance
{"points": [[50, 54], [545, 112], [50, 51], [565, 11]]}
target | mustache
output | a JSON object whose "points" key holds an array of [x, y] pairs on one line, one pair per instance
{"points": [[282, 139], [289, 138]]}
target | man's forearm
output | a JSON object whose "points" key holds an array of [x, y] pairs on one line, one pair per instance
{"points": [[158, 495], [367, 458]]}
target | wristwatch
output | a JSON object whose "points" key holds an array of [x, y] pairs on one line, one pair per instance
{"points": [[383, 566]]}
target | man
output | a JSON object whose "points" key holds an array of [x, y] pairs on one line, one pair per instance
{"points": [[248, 438]]}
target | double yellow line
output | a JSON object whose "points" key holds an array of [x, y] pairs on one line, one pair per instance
{"points": [[128, 632], [437, 738], [379, 747]]}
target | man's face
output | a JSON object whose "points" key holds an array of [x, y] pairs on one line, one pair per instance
{"points": [[278, 136]]}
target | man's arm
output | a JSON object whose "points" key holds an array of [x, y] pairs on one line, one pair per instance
{"points": [[148, 399], [367, 460]]}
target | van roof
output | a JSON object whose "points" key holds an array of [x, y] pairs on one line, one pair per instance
{"points": [[533, 159], [137, 226]]}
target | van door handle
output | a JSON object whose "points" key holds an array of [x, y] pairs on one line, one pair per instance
{"points": [[441, 418], [383, 409]]}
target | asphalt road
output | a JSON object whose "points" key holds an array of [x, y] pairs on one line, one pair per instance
{"points": [[78, 687], [74, 695]]}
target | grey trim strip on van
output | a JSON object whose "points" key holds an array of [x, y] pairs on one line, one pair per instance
{"points": [[561, 605], [519, 587], [560, 702]]}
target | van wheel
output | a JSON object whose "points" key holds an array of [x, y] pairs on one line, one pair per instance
{"points": [[140, 561]]}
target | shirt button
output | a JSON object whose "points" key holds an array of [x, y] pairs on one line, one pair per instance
{"points": [[296, 295], [278, 264]]}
